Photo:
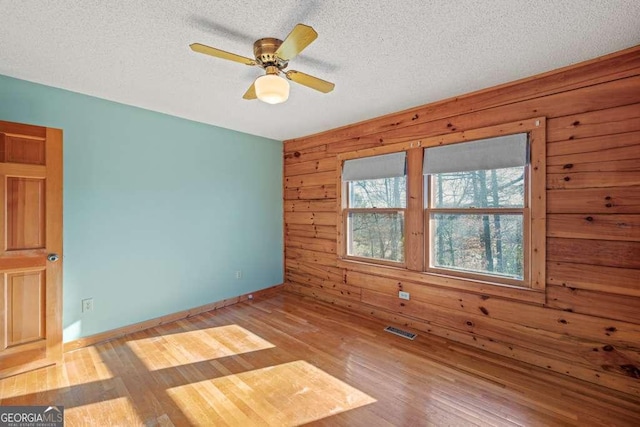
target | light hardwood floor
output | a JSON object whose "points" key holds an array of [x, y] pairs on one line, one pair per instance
{"points": [[288, 360]]}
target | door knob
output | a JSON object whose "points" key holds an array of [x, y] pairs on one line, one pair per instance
{"points": [[53, 257]]}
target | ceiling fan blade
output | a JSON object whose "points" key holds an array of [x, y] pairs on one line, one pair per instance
{"points": [[208, 50], [299, 38], [310, 81], [251, 92]]}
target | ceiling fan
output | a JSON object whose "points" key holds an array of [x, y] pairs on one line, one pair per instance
{"points": [[273, 56]]}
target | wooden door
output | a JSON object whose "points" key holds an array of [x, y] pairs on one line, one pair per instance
{"points": [[30, 241]]}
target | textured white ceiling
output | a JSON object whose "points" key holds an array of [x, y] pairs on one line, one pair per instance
{"points": [[384, 55]]}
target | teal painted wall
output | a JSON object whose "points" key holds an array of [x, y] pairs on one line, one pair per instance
{"points": [[159, 212]]}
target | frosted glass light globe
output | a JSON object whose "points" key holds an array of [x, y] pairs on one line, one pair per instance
{"points": [[272, 89]]}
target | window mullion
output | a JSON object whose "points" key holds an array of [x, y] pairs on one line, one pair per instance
{"points": [[414, 222]]}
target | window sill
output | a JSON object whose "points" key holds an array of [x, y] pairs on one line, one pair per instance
{"points": [[531, 296]]}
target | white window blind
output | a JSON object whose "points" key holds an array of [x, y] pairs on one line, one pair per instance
{"points": [[375, 167], [484, 154]]}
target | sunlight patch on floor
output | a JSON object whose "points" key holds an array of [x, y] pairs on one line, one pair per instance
{"points": [[85, 365], [283, 395], [184, 348], [118, 411]]}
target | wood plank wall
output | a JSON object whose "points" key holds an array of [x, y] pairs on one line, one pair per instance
{"points": [[589, 327]]}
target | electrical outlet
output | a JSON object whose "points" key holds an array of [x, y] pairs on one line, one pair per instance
{"points": [[87, 305], [238, 274], [404, 295]]}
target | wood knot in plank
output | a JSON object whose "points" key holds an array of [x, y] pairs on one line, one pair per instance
{"points": [[631, 370]]}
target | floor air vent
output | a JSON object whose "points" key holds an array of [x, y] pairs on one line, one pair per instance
{"points": [[400, 332]]}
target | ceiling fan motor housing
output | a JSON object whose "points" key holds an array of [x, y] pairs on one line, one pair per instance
{"points": [[264, 51]]}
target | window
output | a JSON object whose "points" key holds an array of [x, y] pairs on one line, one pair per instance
{"points": [[467, 210], [476, 208], [376, 201]]}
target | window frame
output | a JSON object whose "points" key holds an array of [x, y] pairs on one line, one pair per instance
{"points": [[524, 211], [416, 265], [343, 223]]}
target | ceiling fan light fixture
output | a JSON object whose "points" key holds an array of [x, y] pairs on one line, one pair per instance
{"points": [[272, 89], [273, 55]]}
